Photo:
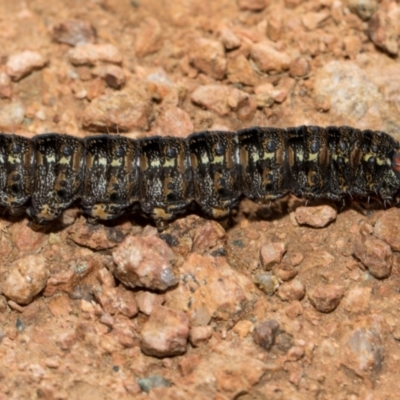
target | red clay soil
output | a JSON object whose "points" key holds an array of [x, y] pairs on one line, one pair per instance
{"points": [[291, 302]]}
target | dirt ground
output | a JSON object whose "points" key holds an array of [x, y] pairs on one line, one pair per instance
{"points": [[291, 302]]}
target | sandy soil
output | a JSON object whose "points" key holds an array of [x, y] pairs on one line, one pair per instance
{"points": [[290, 302]]}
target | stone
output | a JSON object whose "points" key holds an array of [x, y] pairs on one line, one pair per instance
{"points": [[240, 71], [252, 5], [74, 32], [375, 254], [266, 282], [326, 297], [200, 335], [227, 369], [317, 217], [363, 352], [149, 37], [312, 20], [95, 236], [208, 56], [264, 333], [60, 305], [299, 67], [113, 75], [363, 8], [5, 86], [269, 59], [386, 228], [383, 33], [332, 82], [291, 291], [122, 111], [25, 278], [173, 121], [317, 259], [92, 54], [218, 98], [271, 254], [210, 288], [144, 262], [295, 258], [117, 300], [165, 334], [243, 328], [228, 38], [11, 115], [147, 301], [274, 27], [353, 45], [285, 272], [21, 64], [153, 381], [357, 299], [294, 309], [160, 86], [106, 278]]}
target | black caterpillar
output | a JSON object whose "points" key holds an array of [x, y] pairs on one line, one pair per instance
{"points": [[163, 176]]}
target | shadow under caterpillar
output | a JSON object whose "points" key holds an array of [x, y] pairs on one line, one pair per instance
{"points": [[162, 176]]}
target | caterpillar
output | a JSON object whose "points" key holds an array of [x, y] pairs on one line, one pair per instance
{"points": [[163, 176]]}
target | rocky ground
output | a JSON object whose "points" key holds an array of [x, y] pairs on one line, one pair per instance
{"points": [[292, 302]]}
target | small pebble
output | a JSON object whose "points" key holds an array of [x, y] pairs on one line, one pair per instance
{"points": [[299, 67], [284, 272], [240, 70], [165, 334], [200, 335], [375, 254], [383, 33], [264, 333], [149, 38], [146, 301], [11, 115], [208, 56], [266, 282], [271, 254], [243, 328], [325, 298], [357, 299], [317, 217], [74, 32], [228, 38], [153, 381], [386, 228], [173, 119], [91, 54], [274, 27], [269, 59], [5, 86], [219, 98], [145, 262], [22, 64], [126, 110], [26, 277], [252, 5], [363, 8], [364, 352], [113, 75], [290, 291], [312, 20]]}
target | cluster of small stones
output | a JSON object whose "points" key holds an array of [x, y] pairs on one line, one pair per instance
{"points": [[246, 71], [187, 286]]}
